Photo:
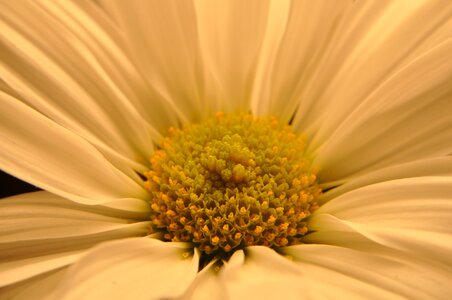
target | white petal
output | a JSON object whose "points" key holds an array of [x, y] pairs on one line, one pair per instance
{"points": [[206, 286], [40, 232], [407, 118], [19, 270], [261, 102], [140, 268], [162, 39], [66, 62], [43, 215], [411, 215], [231, 35], [328, 272], [263, 274], [345, 273], [326, 284], [367, 43], [439, 166], [39, 287], [301, 38], [47, 155], [45, 246]]}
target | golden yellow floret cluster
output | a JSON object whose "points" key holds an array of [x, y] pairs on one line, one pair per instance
{"points": [[232, 181]]}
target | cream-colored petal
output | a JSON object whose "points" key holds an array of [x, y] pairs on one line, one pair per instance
{"points": [[231, 34], [342, 273], [200, 56], [261, 102], [162, 40], [45, 246], [438, 166], [331, 56], [138, 268], [40, 232], [326, 284], [45, 199], [423, 275], [15, 271], [406, 119], [300, 38], [266, 274], [206, 286], [65, 61], [38, 287], [37, 150], [262, 274], [369, 42], [413, 216], [43, 215]]}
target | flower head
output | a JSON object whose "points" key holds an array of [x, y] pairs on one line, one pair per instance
{"points": [[230, 182], [226, 149]]}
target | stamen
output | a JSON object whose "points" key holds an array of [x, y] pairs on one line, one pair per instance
{"points": [[230, 182]]}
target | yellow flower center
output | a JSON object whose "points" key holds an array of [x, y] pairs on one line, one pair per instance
{"points": [[232, 181]]}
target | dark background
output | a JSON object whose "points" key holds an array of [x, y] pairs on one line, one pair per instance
{"points": [[10, 185]]}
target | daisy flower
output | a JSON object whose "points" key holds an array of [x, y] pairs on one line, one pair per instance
{"points": [[227, 149]]}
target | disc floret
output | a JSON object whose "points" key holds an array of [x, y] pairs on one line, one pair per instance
{"points": [[230, 182]]}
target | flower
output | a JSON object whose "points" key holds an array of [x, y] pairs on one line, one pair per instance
{"points": [[88, 87]]}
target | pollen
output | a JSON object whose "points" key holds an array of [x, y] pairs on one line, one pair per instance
{"points": [[232, 181]]}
